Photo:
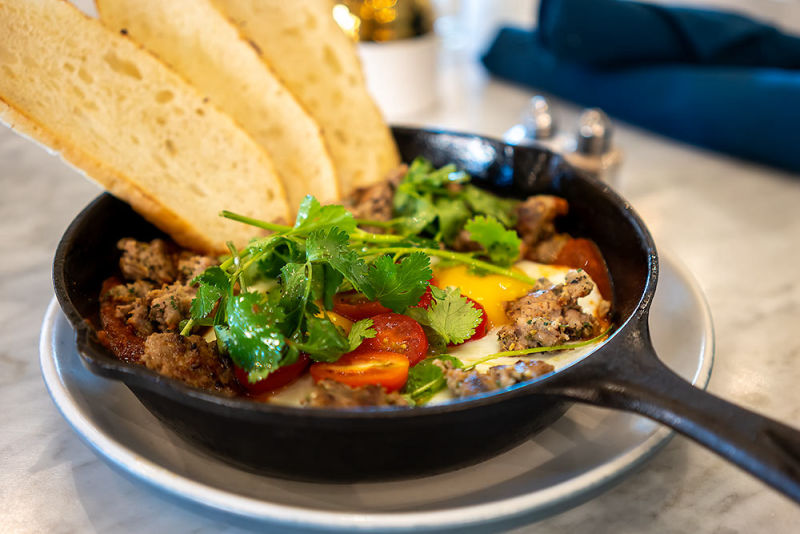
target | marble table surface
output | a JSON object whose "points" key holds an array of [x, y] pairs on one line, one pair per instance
{"points": [[735, 224]]}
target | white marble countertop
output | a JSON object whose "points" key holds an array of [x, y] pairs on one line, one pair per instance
{"points": [[735, 224]]}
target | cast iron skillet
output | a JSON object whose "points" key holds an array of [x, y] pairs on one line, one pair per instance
{"points": [[385, 443]]}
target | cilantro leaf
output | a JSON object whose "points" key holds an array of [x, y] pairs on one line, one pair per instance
{"points": [[426, 378], [450, 316], [325, 284], [279, 252], [485, 203], [397, 285], [421, 172], [294, 281], [360, 331], [312, 216], [415, 209], [331, 245], [452, 214], [501, 245], [213, 285], [252, 339], [324, 342]]}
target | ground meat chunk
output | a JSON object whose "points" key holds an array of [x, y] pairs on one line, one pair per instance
{"points": [[463, 383], [546, 251], [169, 306], [150, 261], [550, 316], [375, 202], [137, 315], [191, 360], [331, 394], [191, 265], [128, 293], [535, 225]]}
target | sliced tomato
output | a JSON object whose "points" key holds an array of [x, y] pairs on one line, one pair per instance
{"points": [[480, 330], [355, 306], [275, 379], [386, 369], [584, 254], [397, 333]]}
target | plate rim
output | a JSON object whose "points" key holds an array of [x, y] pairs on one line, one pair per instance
{"points": [[551, 499]]}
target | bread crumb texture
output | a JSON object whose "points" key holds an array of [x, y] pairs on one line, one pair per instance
{"points": [[132, 124]]}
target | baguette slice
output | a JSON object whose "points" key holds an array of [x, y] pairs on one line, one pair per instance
{"points": [[130, 123], [201, 45], [319, 65]]}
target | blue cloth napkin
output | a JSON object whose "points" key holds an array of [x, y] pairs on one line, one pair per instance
{"points": [[746, 111], [611, 33]]}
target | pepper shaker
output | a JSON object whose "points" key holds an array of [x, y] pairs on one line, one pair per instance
{"points": [[538, 127], [593, 150]]}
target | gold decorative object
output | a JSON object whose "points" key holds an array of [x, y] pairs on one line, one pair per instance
{"points": [[384, 20]]}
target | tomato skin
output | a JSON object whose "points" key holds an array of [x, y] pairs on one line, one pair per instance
{"points": [[480, 330], [399, 334], [357, 368], [584, 254], [274, 380], [355, 306]]}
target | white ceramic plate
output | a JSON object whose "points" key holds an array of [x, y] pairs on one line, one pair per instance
{"points": [[574, 459]]}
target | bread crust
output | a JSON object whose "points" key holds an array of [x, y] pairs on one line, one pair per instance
{"points": [[227, 67], [117, 184], [302, 43], [207, 162]]}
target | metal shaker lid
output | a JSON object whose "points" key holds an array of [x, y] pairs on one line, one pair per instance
{"points": [[538, 120], [594, 132]]}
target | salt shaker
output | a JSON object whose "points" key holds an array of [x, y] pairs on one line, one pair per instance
{"points": [[593, 150], [538, 127]]}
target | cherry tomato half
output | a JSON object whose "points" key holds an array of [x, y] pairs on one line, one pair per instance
{"points": [[397, 333], [584, 254], [386, 369], [275, 379], [355, 306]]}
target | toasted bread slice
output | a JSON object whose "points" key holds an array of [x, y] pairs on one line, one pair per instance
{"points": [[130, 123], [319, 65], [201, 45]]}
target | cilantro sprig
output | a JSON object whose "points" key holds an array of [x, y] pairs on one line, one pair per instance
{"points": [[306, 264], [438, 202], [268, 301]]}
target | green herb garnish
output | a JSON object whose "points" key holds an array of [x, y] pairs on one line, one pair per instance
{"points": [[437, 202], [325, 252], [427, 379], [450, 318]]}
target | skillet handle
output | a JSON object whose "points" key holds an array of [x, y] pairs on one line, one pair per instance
{"points": [[626, 374]]}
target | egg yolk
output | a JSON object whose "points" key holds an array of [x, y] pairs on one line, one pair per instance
{"points": [[490, 290]]}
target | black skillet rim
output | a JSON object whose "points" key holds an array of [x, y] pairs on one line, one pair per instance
{"points": [[100, 361]]}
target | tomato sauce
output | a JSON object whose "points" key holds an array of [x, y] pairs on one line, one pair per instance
{"points": [[118, 336]]}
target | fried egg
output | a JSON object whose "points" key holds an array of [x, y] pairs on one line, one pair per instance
{"points": [[491, 291]]}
